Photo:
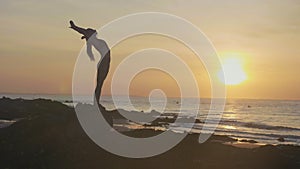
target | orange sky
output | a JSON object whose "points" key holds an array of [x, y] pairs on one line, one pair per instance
{"points": [[38, 52]]}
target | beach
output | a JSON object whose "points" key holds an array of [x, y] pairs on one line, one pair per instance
{"points": [[47, 134], [264, 121]]}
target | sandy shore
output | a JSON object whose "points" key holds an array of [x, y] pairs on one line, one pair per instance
{"points": [[50, 136]]}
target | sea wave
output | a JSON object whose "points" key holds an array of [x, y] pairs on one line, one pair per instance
{"points": [[258, 125]]}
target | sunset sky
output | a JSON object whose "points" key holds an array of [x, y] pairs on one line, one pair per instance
{"points": [[38, 51]]}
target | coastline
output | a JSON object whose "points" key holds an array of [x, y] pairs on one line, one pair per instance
{"points": [[50, 136]]}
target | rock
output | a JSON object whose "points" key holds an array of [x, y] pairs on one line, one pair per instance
{"points": [[248, 141], [280, 139]]}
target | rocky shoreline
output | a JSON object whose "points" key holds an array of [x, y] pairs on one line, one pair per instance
{"points": [[48, 135]]}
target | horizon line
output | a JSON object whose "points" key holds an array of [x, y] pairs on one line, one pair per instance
{"points": [[205, 97]]}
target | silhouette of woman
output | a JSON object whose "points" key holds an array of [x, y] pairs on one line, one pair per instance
{"points": [[103, 65]]}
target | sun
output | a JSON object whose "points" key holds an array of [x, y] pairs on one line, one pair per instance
{"points": [[233, 71]]}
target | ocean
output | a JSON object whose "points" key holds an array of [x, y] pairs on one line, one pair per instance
{"points": [[264, 121]]}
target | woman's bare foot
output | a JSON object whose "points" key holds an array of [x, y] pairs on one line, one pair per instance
{"points": [[72, 25]]}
